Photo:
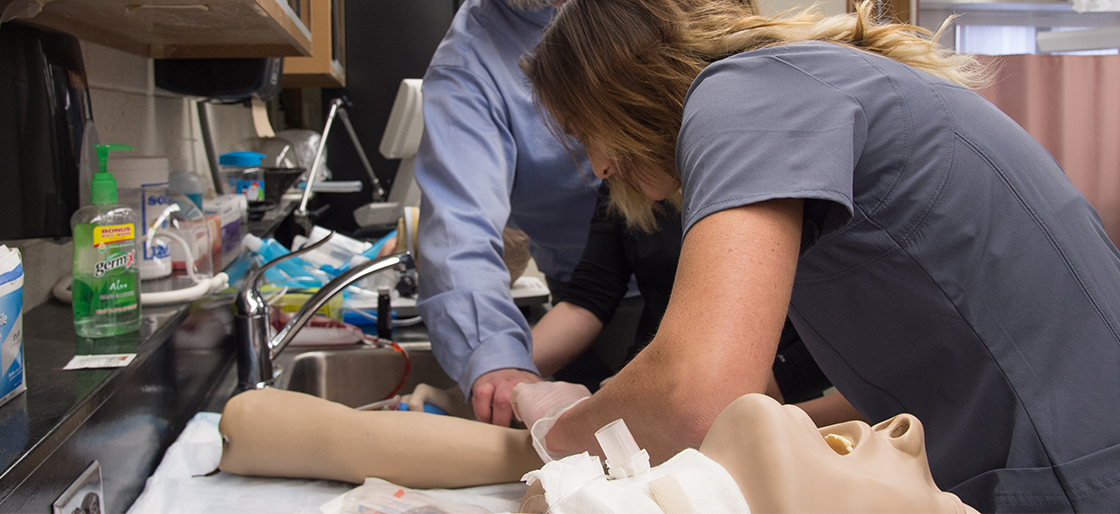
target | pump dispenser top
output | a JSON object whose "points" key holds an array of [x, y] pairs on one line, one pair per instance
{"points": [[103, 188]]}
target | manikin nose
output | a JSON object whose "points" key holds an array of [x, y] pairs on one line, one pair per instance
{"points": [[904, 432]]}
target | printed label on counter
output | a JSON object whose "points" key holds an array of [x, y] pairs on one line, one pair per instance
{"points": [[111, 360]]}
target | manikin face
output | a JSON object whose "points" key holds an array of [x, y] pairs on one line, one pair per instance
{"points": [[783, 463], [655, 186]]}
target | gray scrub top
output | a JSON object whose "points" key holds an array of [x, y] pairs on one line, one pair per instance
{"points": [[949, 269]]}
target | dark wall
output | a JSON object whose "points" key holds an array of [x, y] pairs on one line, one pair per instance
{"points": [[386, 41]]}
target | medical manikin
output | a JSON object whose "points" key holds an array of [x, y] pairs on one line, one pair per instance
{"points": [[778, 459]]}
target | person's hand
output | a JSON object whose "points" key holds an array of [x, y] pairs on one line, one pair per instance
{"points": [[540, 404], [491, 392], [533, 402], [450, 400]]}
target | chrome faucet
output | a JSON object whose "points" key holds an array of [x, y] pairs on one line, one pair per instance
{"points": [[255, 347]]}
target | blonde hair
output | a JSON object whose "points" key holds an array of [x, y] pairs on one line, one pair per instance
{"points": [[616, 72]]}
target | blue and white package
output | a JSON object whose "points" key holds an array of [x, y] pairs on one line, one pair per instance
{"points": [[13, 381]]}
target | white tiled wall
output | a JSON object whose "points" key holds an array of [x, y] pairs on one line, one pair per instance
{"points": [[129, 109]]}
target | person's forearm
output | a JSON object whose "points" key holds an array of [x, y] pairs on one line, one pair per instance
{"points": [[564, 333], [716, 342], [451, 319], [831, 409], [668, 398]]}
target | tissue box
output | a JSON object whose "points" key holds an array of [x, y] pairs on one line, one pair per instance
{"points": [[13, 381]]}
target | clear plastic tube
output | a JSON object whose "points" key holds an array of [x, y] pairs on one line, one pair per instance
{"points": [[624, 458]]}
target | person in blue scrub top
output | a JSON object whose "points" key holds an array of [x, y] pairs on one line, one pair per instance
{"points": [[932, 255], [486, 161]]}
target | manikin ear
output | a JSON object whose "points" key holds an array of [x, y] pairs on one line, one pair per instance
{"points": [[905, 433]]}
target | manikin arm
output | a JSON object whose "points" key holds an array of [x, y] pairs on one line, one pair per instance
{"points": [[276, 433], [716, 342]]}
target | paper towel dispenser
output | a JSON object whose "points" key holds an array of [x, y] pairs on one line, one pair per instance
{"points": [[221, 79], [44, 114]]}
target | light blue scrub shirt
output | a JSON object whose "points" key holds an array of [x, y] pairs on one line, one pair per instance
{"points": [[488, 159], [949, 269]]}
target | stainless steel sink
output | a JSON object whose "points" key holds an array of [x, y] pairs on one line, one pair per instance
{"points": [[359, 375]]}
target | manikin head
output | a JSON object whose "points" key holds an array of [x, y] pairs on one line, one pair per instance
{"points": [[783, 463]]}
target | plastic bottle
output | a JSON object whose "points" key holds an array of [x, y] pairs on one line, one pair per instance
{"points": [[243, 174], [188, 184], [106, 283], [271, 249]]}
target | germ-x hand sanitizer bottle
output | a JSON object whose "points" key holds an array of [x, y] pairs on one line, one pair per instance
{"points": [[106, 284]]}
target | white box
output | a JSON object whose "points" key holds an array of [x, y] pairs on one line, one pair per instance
{"points": [[14, 379]]}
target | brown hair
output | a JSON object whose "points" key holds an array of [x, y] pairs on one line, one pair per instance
{"points": [[616, 71]]}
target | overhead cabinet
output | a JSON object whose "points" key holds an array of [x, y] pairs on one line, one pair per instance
{"points": [[176, 29], [326, 66]]}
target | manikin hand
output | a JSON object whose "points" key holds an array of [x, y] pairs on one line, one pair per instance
{"points": [[491, 393], [450, 400], [540, 404]]}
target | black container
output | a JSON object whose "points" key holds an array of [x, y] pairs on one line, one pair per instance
{"points": [[277, 181], [44, 109]]}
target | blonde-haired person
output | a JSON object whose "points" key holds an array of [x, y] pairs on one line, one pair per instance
{"points": [[934, 257]]}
